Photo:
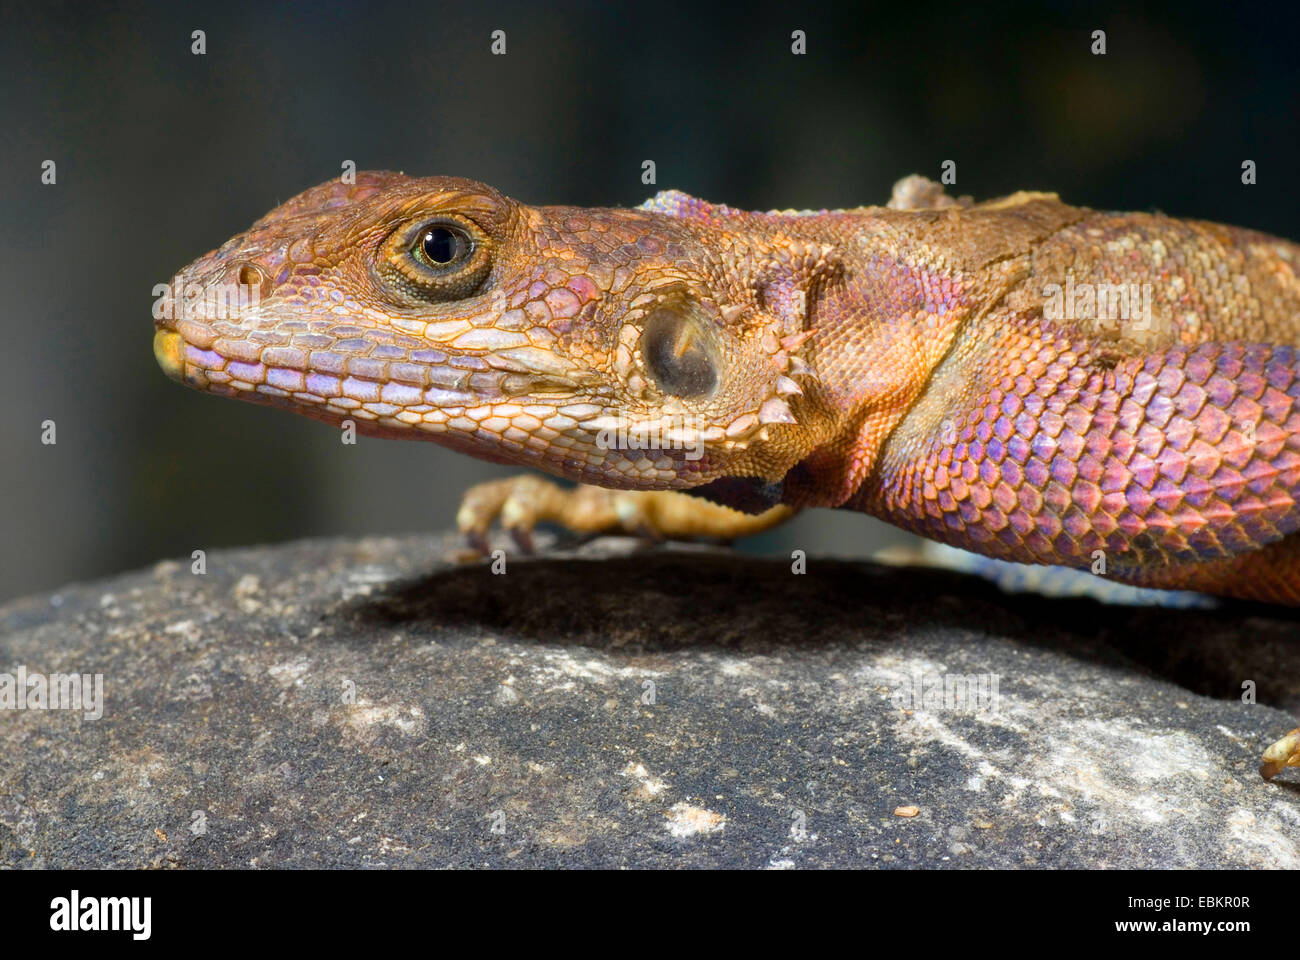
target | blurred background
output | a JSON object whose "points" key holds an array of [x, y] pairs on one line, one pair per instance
{"points": [[162, 155]]}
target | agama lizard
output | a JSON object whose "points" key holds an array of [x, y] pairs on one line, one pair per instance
{"points": [[1029, 380]]}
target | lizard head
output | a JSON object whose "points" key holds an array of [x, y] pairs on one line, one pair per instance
{"points": [[622, 347]]}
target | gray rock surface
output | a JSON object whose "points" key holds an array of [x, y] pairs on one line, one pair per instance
{"points": [[363, 703]]}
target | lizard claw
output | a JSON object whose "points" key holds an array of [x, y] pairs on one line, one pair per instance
{"points": [[1285, 753], [520, 503], [475, 547], [523, 539]]}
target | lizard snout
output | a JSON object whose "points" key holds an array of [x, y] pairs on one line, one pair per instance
{"points": [[185, 310]]}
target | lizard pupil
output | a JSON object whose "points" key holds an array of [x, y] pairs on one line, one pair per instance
{"points": [[443, 246]]}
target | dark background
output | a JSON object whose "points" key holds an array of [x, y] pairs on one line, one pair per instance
{"points": [[162, 155]]}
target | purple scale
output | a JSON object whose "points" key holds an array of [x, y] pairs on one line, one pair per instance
{"points": [[1166, 494], [1115, 476], [207, 359], [326, 362], [1282, 373], [1139, 501], [1178, 435], [989, 475], [1043, 447], [1057, 501], [1221, 391], [1261, 475], [1171, 380], [1213, 424], [1020, 524], [368, 368], [1075, 524], [1065, 546], [1275, 404], [366, 391], [449, 398], [290, 380], [1158, 412], [1064, 471], [1012, 474], [1144, 387], [1131, 525], [1198, 367], [446, 377], [250, 372], [358, 345], [409, 372], [401, 394], [1112, 504], [323, 385], [1037, 473], [1070, 444], [994, 521], [1230, 485]]}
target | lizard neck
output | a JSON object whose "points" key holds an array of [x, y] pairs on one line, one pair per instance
{"points": [[879, 336]]}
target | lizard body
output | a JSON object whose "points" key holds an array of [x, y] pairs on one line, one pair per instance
{"points": [[957, 369]]}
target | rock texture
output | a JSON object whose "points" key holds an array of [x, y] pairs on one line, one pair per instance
{"points": [[364, 703]]}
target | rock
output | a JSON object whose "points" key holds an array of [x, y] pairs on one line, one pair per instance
{"points": [[363, 703]]}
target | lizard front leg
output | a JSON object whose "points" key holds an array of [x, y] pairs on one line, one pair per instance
{"points": [[522, 502]]}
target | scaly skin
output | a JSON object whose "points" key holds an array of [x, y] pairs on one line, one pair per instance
{"points": [[912, 361], [905, 361]]}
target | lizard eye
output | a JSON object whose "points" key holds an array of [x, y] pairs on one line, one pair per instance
{"points": [[679, 355], [436, 260], [442, 245]]}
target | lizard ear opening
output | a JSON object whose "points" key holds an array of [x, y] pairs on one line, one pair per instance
{"points": [[679, 354]]}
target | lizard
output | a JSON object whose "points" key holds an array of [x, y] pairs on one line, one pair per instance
{"points": [[1029, 380]]}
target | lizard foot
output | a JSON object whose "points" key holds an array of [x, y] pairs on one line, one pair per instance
{"points": [[520, 503], [1285, 753]]}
